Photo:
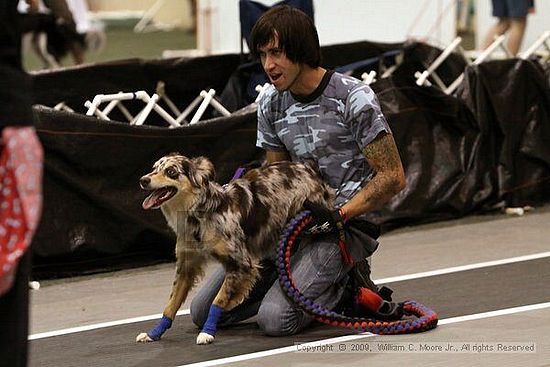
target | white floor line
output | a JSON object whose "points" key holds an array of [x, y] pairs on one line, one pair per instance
{"points": [[79, 329], [456, 269], [341, 339], [377, 281]]}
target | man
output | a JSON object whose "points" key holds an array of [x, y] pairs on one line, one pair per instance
{"points": [[335, 122]]}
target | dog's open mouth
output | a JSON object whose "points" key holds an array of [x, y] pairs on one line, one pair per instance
{"points": [[158, 197]]}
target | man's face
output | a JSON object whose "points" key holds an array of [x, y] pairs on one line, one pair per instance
{"points": [[282, 72]]}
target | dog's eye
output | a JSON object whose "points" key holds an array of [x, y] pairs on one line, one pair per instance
{"points": [[171, 172]]}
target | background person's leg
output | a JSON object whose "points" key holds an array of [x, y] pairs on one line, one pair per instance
{"points": [[517, 15], [499, 28], [515, 35]]}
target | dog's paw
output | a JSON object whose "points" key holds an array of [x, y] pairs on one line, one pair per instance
{"points": [[143, 338], [204, 338]]}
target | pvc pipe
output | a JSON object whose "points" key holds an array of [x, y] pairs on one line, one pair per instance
{"points": [[369, 77], [218, 106], [389, 71], [438, 61], [451, 88], [61, 106], [97, 112], [489, 50], [207, 97], [161, 91], [110, 107], [166, 116], [189, 108], [100, 98], [148, 16], [541, 40], [486, 53], [417, 76], [125, 112], [121, 96], [148, 108], [92, 106]]}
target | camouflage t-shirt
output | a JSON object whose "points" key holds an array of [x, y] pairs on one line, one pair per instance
{"points": [[330, 127]]}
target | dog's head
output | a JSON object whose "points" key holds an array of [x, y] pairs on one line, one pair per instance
{"points": [[174, 175]]}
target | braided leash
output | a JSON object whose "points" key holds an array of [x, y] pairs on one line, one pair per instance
{"points": [[426, 318]]}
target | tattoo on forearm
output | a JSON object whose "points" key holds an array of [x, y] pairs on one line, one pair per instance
{"points": [[383, 156]]}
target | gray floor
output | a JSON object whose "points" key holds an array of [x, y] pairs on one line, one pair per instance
{"points": [[82, 301]]}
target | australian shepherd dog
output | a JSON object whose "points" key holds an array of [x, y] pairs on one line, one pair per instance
{"points": [[237, 224]]}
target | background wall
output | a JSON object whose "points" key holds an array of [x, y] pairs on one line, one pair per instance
{"points": [[170, 12], [340, 22]]}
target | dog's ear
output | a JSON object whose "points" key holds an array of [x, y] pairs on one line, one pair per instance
{"points": [[201, 171]]}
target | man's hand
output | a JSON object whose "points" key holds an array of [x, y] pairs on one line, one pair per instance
{"points": [[324, 220]]}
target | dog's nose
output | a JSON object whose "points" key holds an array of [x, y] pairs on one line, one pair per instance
{"points": [[144, 182]]}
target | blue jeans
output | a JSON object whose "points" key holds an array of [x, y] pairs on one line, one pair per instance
{"points": [[318, 272]]}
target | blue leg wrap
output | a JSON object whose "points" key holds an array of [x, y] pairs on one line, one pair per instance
{"points": [[163, 325], [210, 326]]}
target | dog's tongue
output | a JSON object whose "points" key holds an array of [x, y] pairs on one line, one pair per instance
{"points": [[153, 200], [149, 201]]}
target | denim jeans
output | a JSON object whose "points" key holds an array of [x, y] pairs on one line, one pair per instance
{"points": [[318, 272]]}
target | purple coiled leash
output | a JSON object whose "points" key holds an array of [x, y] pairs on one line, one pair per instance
{"points": [[425, 318]]}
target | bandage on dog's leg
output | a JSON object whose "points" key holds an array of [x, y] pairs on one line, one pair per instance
{"points": [[155, 333], [209, 328], [160, 328]]}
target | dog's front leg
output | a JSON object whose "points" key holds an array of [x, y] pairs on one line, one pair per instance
{"points": [[188, 269], [236, 286]]}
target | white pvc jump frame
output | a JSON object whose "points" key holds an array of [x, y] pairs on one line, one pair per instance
{"points": [[497, 43], [543, 40], [422, 78], [370, 77], [203, 100]]}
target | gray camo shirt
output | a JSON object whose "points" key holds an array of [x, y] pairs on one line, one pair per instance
{"points": [[331, 127]]}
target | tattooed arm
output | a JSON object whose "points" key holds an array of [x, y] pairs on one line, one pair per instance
{"points": [[389, 178]]}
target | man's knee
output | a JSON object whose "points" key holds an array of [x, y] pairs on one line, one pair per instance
{"points": [[199, 311], [281, 320]]}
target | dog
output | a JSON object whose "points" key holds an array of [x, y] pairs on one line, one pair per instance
{"points": [[237, 224]]}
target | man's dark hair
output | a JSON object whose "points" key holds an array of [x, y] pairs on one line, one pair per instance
{"points": [[296, 33]]}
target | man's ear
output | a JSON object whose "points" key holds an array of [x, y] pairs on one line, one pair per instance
{"points": [[201, 171]]}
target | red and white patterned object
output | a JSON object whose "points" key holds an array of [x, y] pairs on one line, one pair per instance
{"points": [[20, 197]]}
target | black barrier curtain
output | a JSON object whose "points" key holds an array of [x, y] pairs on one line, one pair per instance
{"points": [[184, 78], [92, 216], [485, 148], [440, 143], [511, 101]]}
